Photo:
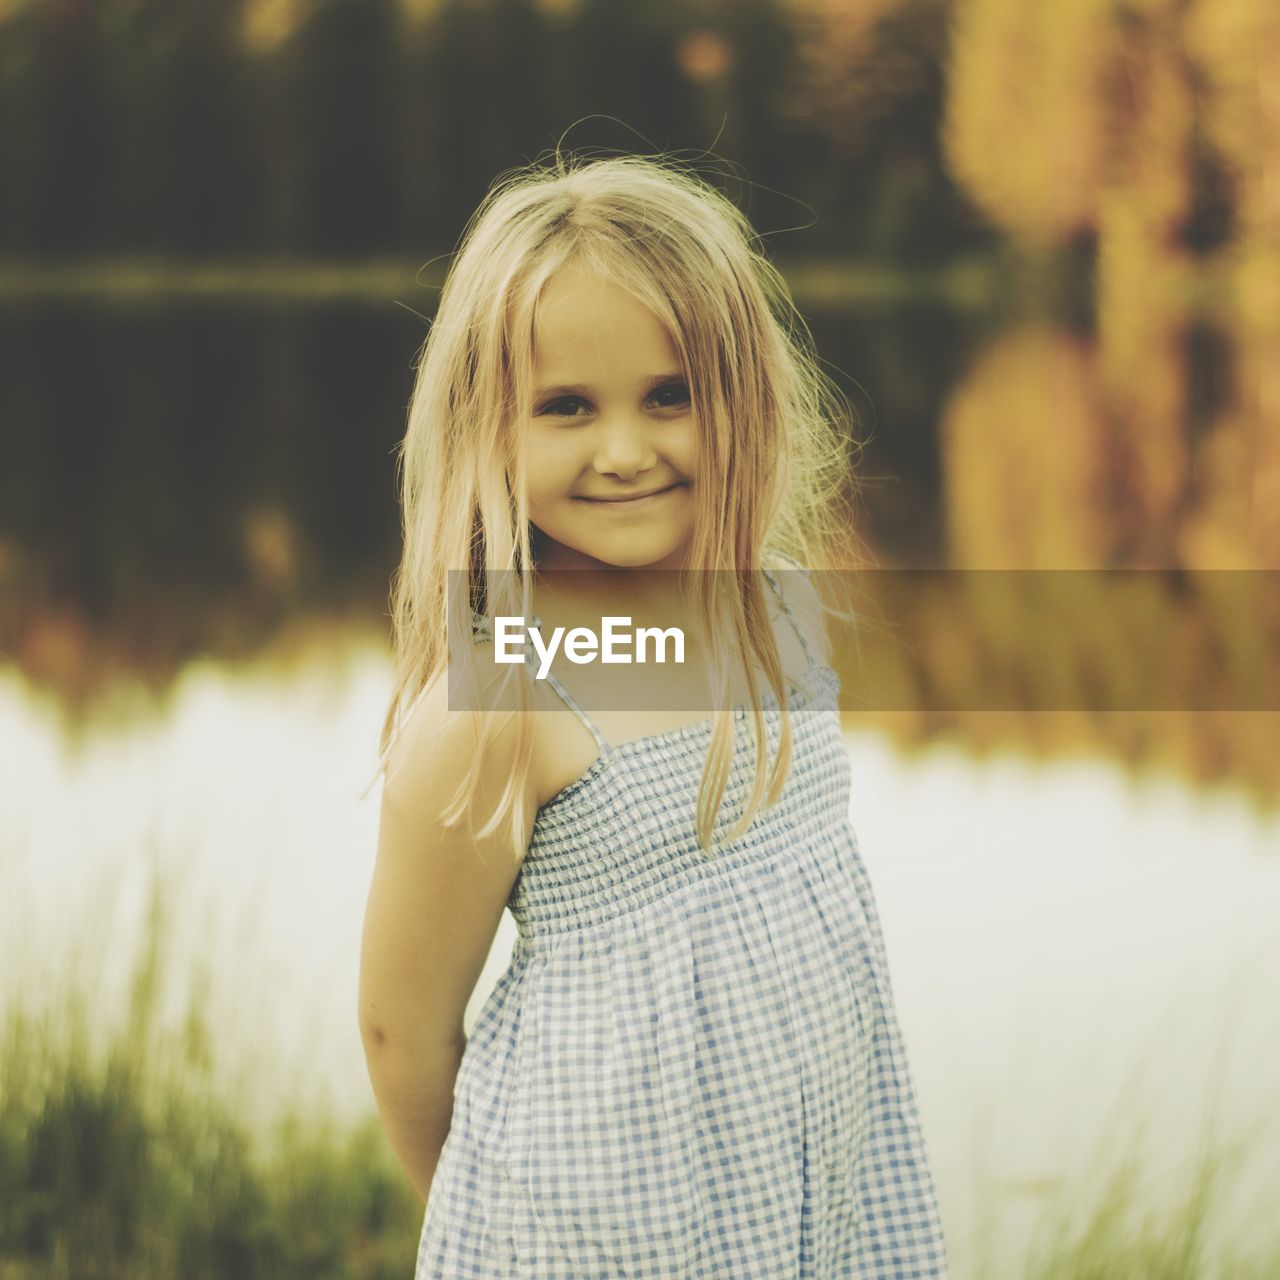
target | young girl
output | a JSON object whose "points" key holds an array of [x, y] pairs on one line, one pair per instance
{"points": [[692, 1066]]}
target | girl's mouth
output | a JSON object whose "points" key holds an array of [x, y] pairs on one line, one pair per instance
{"points": [[633, 504]]}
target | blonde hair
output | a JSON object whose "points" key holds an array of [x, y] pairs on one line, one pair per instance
{"points": [[772, 466]]}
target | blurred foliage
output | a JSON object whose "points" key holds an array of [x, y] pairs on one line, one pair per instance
{"points": [[912, 129], [1165, 672], [126, 1154], [1147, 130], [358, 127]]}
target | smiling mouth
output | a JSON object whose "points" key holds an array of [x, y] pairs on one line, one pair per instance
{"points": [[638, 500]]}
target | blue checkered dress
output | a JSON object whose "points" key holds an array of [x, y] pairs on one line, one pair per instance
{"points": [[692, 1068]]}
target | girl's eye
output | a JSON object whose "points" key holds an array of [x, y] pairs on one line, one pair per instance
{"points": [[562, 408], [673, 395]]}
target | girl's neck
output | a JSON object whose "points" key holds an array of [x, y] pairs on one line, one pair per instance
{"points": [[582, 598]]}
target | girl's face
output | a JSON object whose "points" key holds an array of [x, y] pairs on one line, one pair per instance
{"points": [[610, 420]]}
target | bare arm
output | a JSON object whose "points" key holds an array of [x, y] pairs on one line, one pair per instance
{"points": [[414, 1092], [434, 906]]}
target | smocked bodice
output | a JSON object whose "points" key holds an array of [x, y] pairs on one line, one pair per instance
{"points": [[623, 834]]}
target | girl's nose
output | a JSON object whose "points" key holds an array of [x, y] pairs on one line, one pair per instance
{"points": [[623, 447]]}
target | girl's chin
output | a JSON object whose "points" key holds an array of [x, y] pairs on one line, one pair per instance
{"points": [[624, 553]]}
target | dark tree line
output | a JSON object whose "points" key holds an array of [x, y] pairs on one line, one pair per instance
{"points": [[135, 126]]}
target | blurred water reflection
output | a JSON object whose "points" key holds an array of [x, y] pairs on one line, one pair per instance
{"points": [[214, 480]]}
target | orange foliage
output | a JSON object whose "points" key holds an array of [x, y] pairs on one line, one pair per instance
{"points": [[1025, 129], [1024, 452]]}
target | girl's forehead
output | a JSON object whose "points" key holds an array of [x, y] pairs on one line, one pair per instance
{"points": [[582, 313], [575, 289]]}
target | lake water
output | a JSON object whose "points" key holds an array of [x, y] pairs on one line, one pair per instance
{"points": [[1084, 966]]}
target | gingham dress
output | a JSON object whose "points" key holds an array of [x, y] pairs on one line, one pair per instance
{"points": [[691, 1068]]}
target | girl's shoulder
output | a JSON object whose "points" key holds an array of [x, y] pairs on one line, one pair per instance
{"points": [[440, 731]]}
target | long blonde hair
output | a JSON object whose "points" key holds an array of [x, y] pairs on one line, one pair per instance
{"points": [[772, 465]]}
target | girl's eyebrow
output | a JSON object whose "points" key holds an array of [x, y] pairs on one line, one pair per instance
{"points": [[582, 388]]}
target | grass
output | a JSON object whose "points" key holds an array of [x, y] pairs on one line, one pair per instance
{"points": [[1114, 1241], [134, 1159]]}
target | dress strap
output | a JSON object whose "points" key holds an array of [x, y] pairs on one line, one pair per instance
{"points": [[590, 725], [791, 617], [483, 631]]}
